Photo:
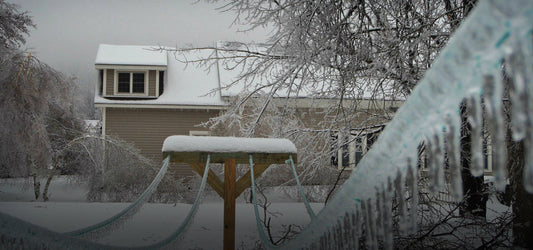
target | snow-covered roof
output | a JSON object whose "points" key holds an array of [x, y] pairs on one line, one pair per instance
{"points": [[193, 85], [130, 55], [184, 84], [214, 144]]}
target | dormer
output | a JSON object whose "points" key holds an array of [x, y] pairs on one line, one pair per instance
{"points": [[130, 72]]}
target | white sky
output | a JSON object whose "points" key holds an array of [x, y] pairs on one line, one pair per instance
{"points": [[68, 31]]}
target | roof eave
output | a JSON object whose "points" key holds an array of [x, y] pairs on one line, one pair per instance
{"points": [[130, 66], [161, 106]]}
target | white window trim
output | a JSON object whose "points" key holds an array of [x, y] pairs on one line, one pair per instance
{"points": [[199, 133], [146, 76], [157, 83], [351, 150], [104, 84]]}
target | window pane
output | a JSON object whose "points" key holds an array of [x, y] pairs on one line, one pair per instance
{"points": [[138, 82], [124, 82], [358, 157]]}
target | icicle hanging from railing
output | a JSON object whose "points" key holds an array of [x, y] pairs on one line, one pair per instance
{"points": [[453, 150], [387, 194], [475, 119], [401, 199], [436, 156], [492, 96], [412, 183]]}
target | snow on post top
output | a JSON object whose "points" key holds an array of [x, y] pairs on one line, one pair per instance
{"points": [[130, 55], [214, 144]]}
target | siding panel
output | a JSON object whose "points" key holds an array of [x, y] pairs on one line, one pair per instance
{"points": [[148, 128], [110, 82]]}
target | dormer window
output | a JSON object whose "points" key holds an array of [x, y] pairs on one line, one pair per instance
{"points": [[131, 83]]}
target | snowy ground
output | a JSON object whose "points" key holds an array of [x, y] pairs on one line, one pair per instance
{"points": [[68, 210]]}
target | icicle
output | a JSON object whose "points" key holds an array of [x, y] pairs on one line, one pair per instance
{"points": [[453, 150], [476, 145], [356, 225], [371, 240], [379, 213], [323, 242], [400, 196], [387, 216], [492, 94], [412, 183], [340, 235], [436, 168], [515, 68], [329, 240], [347, 231]]}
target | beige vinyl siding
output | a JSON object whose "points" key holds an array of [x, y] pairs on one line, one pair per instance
{"points": [[110, 82], [152, 82], [148, 128]]}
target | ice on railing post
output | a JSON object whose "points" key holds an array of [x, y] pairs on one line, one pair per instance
{"points": [[492, 94], [400, 197], [475, 119], [453, 150]]}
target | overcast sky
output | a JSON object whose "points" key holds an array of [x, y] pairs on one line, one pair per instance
{"points": [[68, 31]]}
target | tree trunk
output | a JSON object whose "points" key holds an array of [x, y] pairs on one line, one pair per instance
{"points": [[36, 187], [47, 185]]}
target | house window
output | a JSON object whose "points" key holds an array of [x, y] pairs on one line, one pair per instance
{"points": [[131, 83], [161, 82], [350, 149]]}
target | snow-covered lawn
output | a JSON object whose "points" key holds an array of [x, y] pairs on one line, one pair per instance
{"points": [[67, 211]]}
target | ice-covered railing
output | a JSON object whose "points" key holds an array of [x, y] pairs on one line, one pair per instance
{"points": [[470, 66]]}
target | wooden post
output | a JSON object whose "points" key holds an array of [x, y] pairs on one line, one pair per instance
{"points": [[229, 203]]}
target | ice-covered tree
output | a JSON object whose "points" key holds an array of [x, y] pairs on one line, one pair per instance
{"points": [[14, 25], [346, 51], [36, 105]]}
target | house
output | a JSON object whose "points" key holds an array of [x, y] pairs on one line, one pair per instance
{"points": [[146, 94]]}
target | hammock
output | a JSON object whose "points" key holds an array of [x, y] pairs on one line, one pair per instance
{"points": [[42, 237], [116, 221]]}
